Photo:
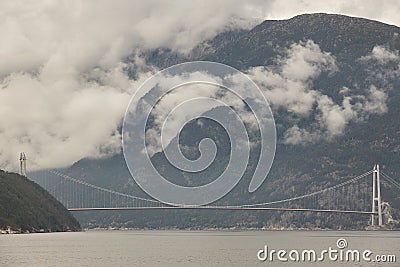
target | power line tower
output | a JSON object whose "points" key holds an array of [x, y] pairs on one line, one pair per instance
{"points": [[376, 196], [22, 164]]}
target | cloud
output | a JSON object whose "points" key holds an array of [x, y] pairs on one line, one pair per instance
{"points": [[289, 85], [64, 86], [187, 102], [81, 33], [60, 34], [382, 55], [332, 118], [383, 65], [57, 122], [305, 61], [179, 107], [297, 135]]}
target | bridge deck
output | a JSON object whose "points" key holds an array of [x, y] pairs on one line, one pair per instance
{"points": [[223, 208]]}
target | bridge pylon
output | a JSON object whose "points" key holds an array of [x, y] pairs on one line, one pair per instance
{"points": [[376, 196], [22, 164]]}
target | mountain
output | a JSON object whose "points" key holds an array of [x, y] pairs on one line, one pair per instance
{"points": [[366, 139], [348, 38], [27, 207]]}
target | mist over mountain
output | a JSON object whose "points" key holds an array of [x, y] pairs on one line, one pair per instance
{"points": [[333, 84]]}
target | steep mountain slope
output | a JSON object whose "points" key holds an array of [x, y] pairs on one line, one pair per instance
{"points": [[299, 167], [25, 206], [348, 38]]}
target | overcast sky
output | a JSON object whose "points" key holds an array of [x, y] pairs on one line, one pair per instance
{"points": [[63, 90]]}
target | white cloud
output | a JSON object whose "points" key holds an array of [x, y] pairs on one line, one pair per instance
{"points": [[332, 118], [382, 64], [297, 135], [59, 122], [289, 85], [63, 85], [56, 35], [187, 102], [376, 101], [58, 117], [64, 88], [186, 99], [382, 55], [305, 61]]}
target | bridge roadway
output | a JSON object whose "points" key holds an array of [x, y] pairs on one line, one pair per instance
{"points": [[223, 208]]}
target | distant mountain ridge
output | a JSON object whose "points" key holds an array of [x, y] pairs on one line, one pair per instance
{"points": [[341, 35], [242, 49]]}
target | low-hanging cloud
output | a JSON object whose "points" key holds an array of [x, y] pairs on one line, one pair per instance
{"points": [[382, 55], [289, 85], [64, 86], [382, 64], [192, 99], [59, 122], [56, 35]]}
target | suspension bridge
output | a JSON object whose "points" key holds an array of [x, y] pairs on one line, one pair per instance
{"points": [[357, 195]]}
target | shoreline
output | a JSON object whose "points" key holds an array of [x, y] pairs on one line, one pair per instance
{"points": [[12, 231], [9, 230], [233, 229]]}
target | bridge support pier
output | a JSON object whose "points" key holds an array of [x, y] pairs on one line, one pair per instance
{"points": [[376, 196]]}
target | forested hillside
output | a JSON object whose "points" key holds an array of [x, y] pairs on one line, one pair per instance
{"points": [[27, 207]]}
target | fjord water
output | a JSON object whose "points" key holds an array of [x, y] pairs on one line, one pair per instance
{"points": [[184, 248]]}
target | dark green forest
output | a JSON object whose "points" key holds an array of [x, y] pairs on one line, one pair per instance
{"points": [[27, 207]]}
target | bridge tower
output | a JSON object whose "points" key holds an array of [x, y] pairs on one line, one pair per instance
{"points": [[376, 196], [22, 164]]}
